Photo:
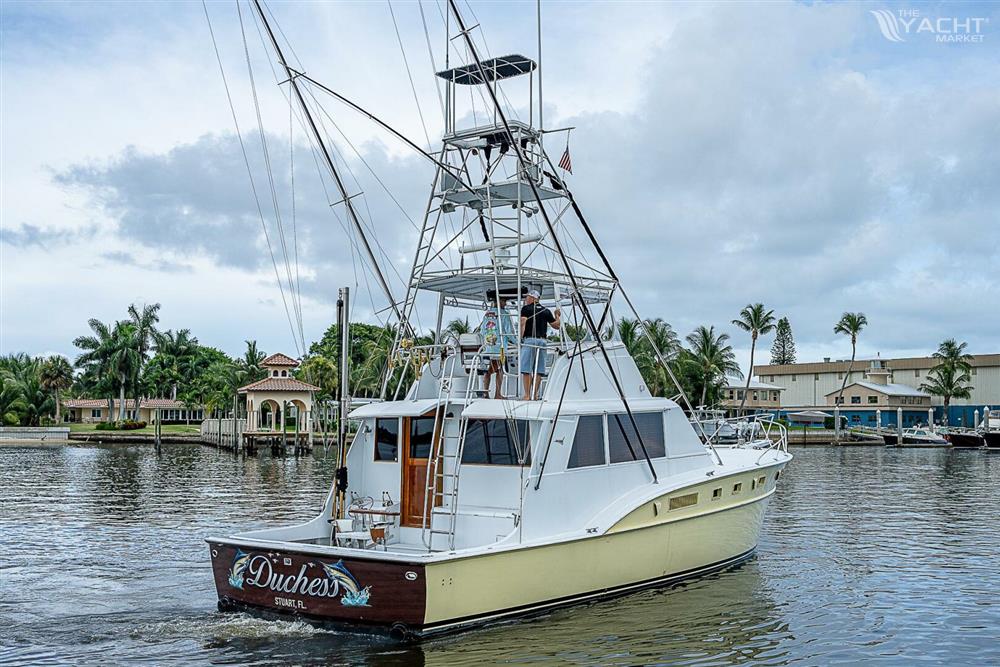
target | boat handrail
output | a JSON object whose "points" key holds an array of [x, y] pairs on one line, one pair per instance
{"points": [[746, 428]]}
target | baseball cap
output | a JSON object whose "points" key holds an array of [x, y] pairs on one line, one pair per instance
{"points": [[534, 293]]}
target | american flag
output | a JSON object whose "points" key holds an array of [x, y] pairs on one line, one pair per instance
{"points": [[565, 162]]}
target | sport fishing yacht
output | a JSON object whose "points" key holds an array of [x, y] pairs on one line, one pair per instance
{"points": [[451, 508]]}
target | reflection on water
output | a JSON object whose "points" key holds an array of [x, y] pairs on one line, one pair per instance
{"points": [[869, 554]]}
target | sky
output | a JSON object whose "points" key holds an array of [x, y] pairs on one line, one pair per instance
{"points": [[725, 153]]}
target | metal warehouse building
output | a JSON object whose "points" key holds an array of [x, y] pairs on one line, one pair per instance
{"points": [[882, 385]]}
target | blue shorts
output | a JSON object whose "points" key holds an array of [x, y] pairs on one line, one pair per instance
{"points": [[532, 353]]}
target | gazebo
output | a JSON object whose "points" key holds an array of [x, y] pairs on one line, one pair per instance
{"points": [[272, 400]]}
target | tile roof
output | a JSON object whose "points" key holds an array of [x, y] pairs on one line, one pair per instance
{"points": [[279, 359], [278, 384]]}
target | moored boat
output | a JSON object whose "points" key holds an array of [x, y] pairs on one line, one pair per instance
{"points": [[965, 438], [452, 509], [916, 437]]}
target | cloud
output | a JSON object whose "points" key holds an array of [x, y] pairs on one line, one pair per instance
{"points": [[783, 153], [27, 235]]}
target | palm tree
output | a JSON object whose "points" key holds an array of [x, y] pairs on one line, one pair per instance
{"points": [[38, 402], [756, 321], [144, 320], [251, 361], [952, 354], [954, 368], [948, 382], [95, 358], [12, 404], [56, 375], [457, 327], [713, 357], [665, 341], [850, 324]]}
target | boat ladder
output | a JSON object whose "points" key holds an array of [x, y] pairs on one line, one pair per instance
{"points": [[445, 463]]}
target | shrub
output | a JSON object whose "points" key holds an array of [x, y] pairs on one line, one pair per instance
{"points": [[106, 426], [131, 425]]}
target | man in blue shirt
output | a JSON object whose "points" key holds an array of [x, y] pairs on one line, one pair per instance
{"points": [[535, 322]]}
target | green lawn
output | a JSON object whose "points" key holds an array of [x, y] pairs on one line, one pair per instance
{"points": [[166, 428]]}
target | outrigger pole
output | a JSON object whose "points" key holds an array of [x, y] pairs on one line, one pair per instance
{"points": [[523, 164], [351, 213]]}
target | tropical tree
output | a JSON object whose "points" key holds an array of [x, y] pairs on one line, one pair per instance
{"points": [[95, 359], [162, 375], [124, 360], [458, 326], [952, 354], [948, 379], [756, 321], [251, 362], [12, 404], [664, 339], [56, 376], [948, 382], [144, 322], [575, 332], [713, 357], [850, 324], [322, 372], [783, 350], [38, 402]]}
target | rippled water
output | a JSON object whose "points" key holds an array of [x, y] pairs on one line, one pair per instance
{"points": [[868, 554]]}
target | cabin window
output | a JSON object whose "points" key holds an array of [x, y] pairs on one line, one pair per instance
{"points": [[737, 487], [716, 493], [856, 400], [387, 439], [496, 442], [421, 436], [753, 484], [623, 444], [873, 399], [680, 502], [588, 443], [761, 481]]}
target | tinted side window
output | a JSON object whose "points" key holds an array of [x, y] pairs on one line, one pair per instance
{"points": [[621, 435], [588, 443], [387, 439], [496, 442], [421, 435]]}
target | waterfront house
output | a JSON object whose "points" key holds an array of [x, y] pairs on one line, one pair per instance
{"points": [[93, 410]]}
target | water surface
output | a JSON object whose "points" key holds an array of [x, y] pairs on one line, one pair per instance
{"points": [[868, 554]]}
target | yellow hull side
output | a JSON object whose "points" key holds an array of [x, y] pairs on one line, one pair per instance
{"points": [[650, 543]]}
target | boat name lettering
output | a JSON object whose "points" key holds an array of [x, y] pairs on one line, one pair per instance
{"points": [[329, 581], [287, 602]]}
